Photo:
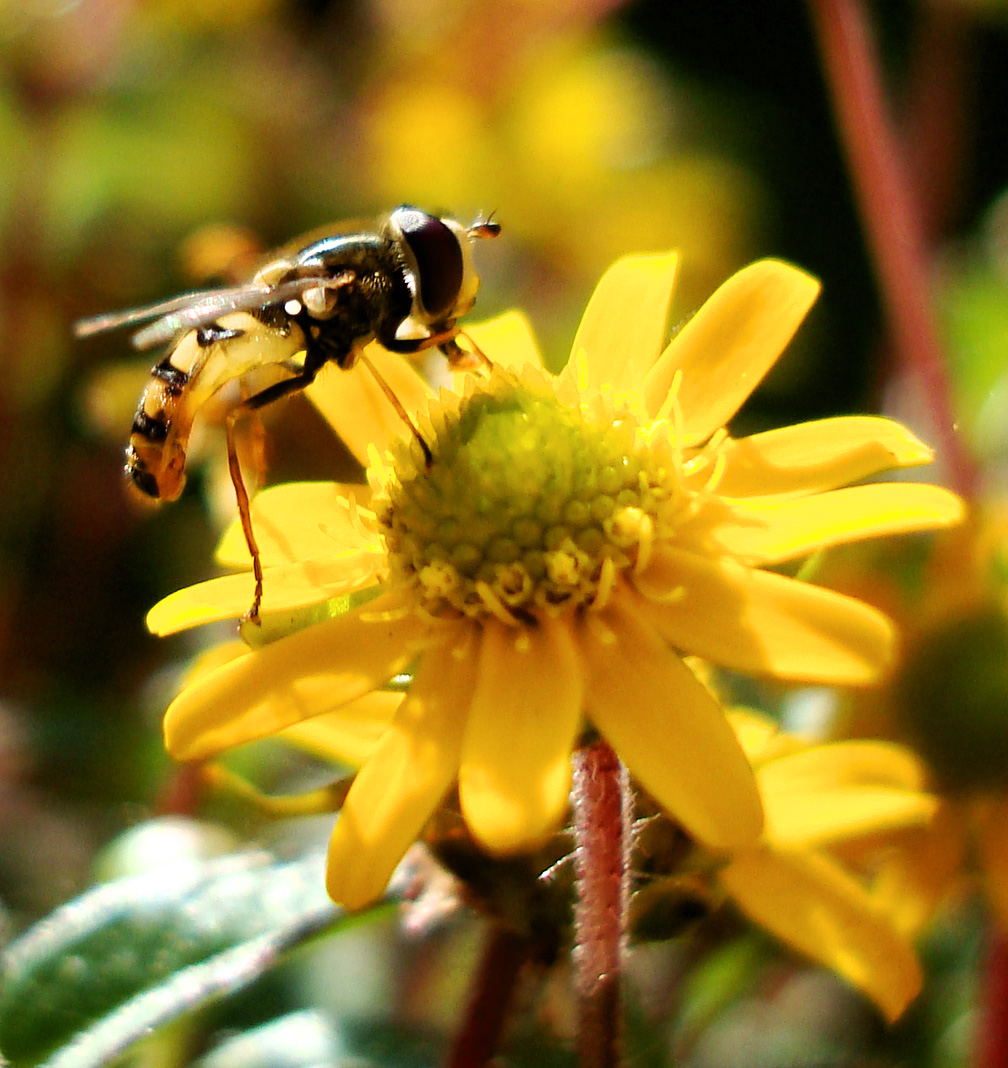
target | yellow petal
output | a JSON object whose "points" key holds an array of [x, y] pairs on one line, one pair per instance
{"points": [[356, 407], [347, 736], [818, 817], [668, 729], [729, 345], [844, 764], [810, 903], [284, 588], [624, 324], [817, 456], [756, 732], [213, 658], [771, 531], [507, 341], [757, 622], [300, 521], [760, 737], [922, 868], [526, 712], [408, 773], [261, 693]]}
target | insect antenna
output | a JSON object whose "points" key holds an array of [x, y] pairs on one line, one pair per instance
{"points": [[483, 228]]}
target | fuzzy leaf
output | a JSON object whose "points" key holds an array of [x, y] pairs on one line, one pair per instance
{"points": [[104, 970]]}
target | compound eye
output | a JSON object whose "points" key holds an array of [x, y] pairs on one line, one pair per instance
{"points": [[438, 258]]}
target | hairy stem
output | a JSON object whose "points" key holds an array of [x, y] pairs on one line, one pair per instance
{"points": [[602, 811]]}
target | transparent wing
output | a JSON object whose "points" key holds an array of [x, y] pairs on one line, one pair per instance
{"points": [[193, 310], [100, 324], [219, 302]]}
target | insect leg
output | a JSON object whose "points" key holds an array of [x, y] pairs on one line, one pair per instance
{"points": [[253, 404], [459, 358], [411, 345], [397, 404], [256, 441], [301, 380], [245, 514]]}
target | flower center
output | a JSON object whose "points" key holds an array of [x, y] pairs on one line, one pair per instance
{"points": [[528, 504], [952, 695]]}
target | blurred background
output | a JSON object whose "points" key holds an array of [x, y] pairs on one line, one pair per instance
{"points": [[152, 146]]}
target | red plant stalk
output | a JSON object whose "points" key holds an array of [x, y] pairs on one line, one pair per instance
{"points": [[602, 804], [936, 120], [991, 1043], [492, 993], [889, 213], [897, 235]]}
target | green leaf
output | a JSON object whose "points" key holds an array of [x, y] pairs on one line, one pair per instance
{"points": [[125, 958], [975, 310], [721, 979], [304, 1039]]}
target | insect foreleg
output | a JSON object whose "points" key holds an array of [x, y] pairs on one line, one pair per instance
{"points": [[397, 404], [461, 359], [418, 344]]}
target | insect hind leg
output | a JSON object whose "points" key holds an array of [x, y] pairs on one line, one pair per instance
{"points": [[252, 405]]}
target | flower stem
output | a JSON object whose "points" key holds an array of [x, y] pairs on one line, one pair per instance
{"points": [[504, 953], [936, 114], [992, 1034], [890, 215], [602, 810], [184, 791]]}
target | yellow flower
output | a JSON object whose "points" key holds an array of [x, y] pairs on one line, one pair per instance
{"points": [[949, 701], [569, 538], [824, 803], [949, 698]]}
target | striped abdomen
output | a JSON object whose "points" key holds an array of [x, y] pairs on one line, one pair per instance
{"points": [[156, 453], [201, 364]]}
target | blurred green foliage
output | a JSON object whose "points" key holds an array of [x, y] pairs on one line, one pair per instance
{"points": [[128, 126]]}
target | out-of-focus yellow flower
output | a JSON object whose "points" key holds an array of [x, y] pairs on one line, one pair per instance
{"points": [[950, 701], [821, 802], [566, 541], [208, 14], [583, 145]]}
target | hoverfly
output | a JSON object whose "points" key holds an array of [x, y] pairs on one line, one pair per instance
{"points": [[404, 283]]}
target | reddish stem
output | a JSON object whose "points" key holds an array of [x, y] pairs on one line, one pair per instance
{"points": [[183, 792], [492, 993], [889, 213], [601, 802], [992, 1035], [935, 118]]}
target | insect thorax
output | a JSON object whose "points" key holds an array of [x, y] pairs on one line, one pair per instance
{"points": [[371, 303]]}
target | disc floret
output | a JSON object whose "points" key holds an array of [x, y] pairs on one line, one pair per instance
{"points": [[528, 504]]}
